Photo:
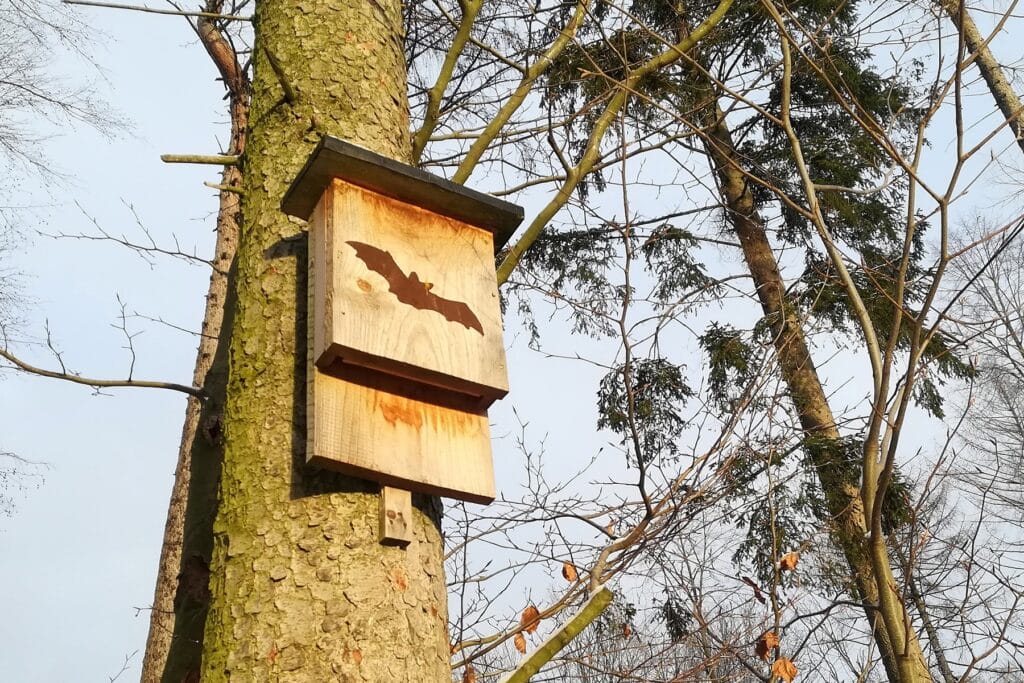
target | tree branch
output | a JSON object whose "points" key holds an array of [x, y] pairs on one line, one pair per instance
{"points": [[99, 383], [215, 159], [591, 610], [592, 149], [153, 10]]}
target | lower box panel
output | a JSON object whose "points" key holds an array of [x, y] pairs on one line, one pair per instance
{"points": [[382, 428]]}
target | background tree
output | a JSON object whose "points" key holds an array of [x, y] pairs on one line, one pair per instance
{"points": [[992, 317], [181, 597], [844, 183], [34, 101]]}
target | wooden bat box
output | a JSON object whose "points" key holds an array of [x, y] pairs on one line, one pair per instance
{"points": [[405, 334]]}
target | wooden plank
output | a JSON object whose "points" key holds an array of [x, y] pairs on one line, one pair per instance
{"points": [[380, 428], [407, 292], [384, 429], [335, 158], [395, 516]]}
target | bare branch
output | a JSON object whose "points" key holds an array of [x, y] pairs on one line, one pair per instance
{"points": [[98, 383], [153, 10], [213, 159]]}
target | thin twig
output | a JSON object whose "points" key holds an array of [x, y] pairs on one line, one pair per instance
{"points": [[153, 10]]}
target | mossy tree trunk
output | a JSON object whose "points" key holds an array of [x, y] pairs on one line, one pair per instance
{"points": [[174, 644], [181, 597], [301, 588]]}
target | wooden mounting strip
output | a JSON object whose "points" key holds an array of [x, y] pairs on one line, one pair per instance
{"points": [[395, 516]]}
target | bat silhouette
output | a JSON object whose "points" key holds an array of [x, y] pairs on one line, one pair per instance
{"points": [[410, 290]]}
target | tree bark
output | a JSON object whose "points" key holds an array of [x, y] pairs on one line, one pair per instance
{"points": [[181, 596], [1006, 99], [900, 648], [301, 588], [196, 443]]}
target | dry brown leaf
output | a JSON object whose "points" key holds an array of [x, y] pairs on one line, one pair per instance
{"points": [[784, 669], [530, 619], [758, 595], [469, 676], [520, 643], [627, 630], [610, 528], [788, 562], [569, 572], [768, 641]]}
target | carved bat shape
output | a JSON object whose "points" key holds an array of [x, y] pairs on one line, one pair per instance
{"points": [[410, 290]]}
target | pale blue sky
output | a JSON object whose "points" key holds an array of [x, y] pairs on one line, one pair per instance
{"points": [[80, 553]]}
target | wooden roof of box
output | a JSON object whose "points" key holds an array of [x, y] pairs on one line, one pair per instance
{"points": [[335, 158]]}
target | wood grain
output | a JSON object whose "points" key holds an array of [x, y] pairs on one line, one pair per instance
{"points": [[386, 428], [399, 439], [450, 336]]}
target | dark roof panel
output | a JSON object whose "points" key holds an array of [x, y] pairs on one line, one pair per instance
{"points": [[335, 158]]}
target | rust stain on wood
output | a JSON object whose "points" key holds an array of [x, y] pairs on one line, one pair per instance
{"points": [[410, 290], [450, 420], [395, 411]]}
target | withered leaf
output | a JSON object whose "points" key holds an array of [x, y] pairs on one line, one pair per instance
{"points": [[768, 641], [758, 595], [784, 669], [569, 572], [530, 619], [788, 561], [469, 675], [520, 643]]}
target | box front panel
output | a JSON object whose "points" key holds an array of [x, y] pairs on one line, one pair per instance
{"points": [[412, 294]]}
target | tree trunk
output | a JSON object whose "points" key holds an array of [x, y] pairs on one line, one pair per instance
{"points": [[1006, 99], [181, 596], [899, 647], [177, 589], [301, 588]]}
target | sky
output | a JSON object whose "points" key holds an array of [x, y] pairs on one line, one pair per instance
{"points": [[78, 557]]}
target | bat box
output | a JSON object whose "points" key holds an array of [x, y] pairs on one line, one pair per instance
{"points": [[405, 281], [405, 334]]}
